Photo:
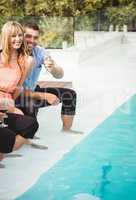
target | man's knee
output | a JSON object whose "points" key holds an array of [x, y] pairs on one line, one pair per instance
{"points": [[69, 94], [74, 94]]}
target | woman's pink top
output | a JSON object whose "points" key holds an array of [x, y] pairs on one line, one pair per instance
{"points": [[9, 79]]}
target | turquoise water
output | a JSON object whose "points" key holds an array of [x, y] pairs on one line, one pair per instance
{"points": [[103, 165]]}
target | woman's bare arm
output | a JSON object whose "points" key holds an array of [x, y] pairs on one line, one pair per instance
{"points": [[29, 63]]}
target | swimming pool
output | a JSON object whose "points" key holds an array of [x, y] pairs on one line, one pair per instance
{"points": [[102, 166]]}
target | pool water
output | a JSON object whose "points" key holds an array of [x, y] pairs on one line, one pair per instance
{"points": [[102, 166]]}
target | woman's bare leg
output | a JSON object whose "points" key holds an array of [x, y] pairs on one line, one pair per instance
{"points": [[1, 158], [19, 142]]}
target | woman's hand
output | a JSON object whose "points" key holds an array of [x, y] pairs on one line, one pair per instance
{"points": [[15, 110], [7, 104], [11, 109], [1, 115]]}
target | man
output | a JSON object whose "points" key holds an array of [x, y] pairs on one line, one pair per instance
{"points": [[41, 97]]}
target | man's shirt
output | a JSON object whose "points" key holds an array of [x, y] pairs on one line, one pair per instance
{"points": [[39, 54]]}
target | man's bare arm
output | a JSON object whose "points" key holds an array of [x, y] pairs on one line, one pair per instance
{"points": [[50, 98]]}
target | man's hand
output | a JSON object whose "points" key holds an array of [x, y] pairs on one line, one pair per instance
{"points": [[49, 64], [52, 67], [50, 98]]}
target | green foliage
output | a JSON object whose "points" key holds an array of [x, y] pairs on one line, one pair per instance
{"points": [[121, 15], [50, 7], [55, 30]]}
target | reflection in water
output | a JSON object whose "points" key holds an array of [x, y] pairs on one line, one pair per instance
{"points": [[104, 181], [84, 196], [100, 188]]}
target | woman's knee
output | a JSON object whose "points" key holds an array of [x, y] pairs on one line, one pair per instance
{"points": [[7, 140], [27, 126], [34, 125]]}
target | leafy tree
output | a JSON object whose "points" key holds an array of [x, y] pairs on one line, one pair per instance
{"points": [[124, 13]]}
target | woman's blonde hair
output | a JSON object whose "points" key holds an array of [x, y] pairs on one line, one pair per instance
{"points": [[9, 28]]}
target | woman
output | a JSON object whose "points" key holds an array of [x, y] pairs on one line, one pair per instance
{"points": [[15, 65]]}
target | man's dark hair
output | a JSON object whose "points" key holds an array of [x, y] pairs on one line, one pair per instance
{"points": [[32, 25]]}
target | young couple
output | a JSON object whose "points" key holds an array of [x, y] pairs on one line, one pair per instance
{"points": [[20, 70]]}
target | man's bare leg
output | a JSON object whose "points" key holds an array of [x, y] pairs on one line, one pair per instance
{"points": [[67, 124]]}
